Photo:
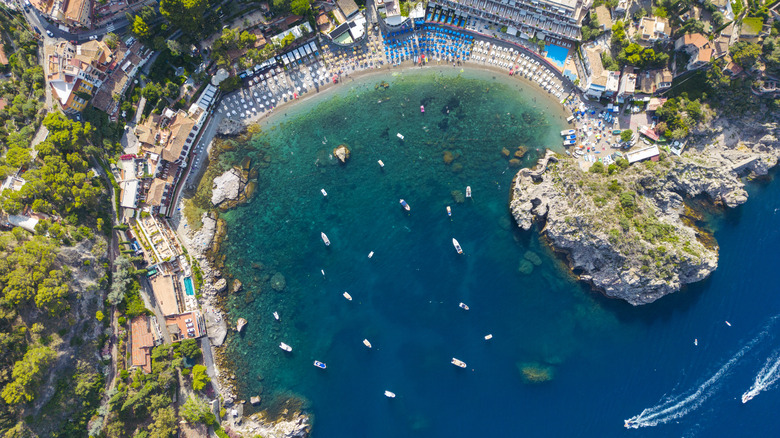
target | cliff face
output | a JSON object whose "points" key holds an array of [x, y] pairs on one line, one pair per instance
{"points": [[628, 232]]}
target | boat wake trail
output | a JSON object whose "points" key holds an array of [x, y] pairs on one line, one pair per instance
{"points": [[768, 375], [676, 406]]}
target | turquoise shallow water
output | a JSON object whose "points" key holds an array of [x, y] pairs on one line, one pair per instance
{"points": [[606, 360]]}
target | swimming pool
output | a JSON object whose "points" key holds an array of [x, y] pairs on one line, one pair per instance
{"points": [[188, 286], [557, 54]]}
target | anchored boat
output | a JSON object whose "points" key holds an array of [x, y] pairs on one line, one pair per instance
{"points": [[389, 394], [404, 205], [468, 191], [325, 239], [371, 254], [381, 164], [319, 364], [463, 306], [366, 343], [276, 316], [457, 246], [285, 347], [458, 363], [488, 337], [400, 136], [324, 193], [449, 211], [347, 296]]}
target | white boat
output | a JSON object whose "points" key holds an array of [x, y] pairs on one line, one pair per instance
{"points": [[468, 191], [400, 136], [696, 341], [728, 323], [449, 211], [366, 343], [371, 254], [566, 132], [347, 296], [319, 364], [404, 205], [463, 306], [324, 193], [488, 337], [325, 239], [458, 363], [285, 347], [389, 394], [276, 316], [457, 246], [381, 164], [746, 397]]}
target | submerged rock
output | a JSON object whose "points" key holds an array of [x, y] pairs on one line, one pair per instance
{"points": [[526, 267], [237, 285], [278, 283], [458, 196], [448, 157], [241, 324], [505, 152], [534, 372], [514, 162], [533, 258]]}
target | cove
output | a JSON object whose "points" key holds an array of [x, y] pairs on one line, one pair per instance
{"points": [[563, 361]]}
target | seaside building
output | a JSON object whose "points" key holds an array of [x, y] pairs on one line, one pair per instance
{"points": [[67, 12], [560, 19], [700, 49], [348, 8], [627, 85], [597, 76], [167, 293], [652, 29], [602, 15], [129, 57], [142, 340], [654, 81], [76, 71], [189, 325]]}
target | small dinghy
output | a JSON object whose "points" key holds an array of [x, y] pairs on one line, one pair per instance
{"points": [[324, 193], [463, 306], [458, 363], [404, 205], [325, 239], [319, 364], [381, 164], [449, 211], [389, 394], [366, 343], [468, 191], [371, 254], [276, 316], [400, 136], [488, 337], [422, 109], [285, 347], [347, 296]]}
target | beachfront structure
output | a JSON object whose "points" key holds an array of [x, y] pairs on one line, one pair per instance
{"points": [[75, 72], [627, 85], [539, 18], [189, 325], [650, 152]]}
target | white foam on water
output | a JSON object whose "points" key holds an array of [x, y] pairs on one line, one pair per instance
{"points": [[674, 407], [766, 377]]}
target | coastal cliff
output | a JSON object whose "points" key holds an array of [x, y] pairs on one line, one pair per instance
{"points": [[627, 230]]}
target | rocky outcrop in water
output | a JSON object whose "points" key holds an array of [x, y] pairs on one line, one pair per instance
{"points": [[342, 152], [233, 187], [630, 233]]}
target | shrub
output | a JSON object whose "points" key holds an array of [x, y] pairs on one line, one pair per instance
{"points": [[597, 167]]}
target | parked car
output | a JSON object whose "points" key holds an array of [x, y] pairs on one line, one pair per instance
{"points": [[93, 37], [48, 32], [38, 31]]}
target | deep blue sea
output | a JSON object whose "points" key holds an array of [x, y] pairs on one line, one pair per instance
{"points": [[563, 361]]}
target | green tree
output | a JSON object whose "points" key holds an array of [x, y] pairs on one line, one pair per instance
{"points": [[745, 54], [597, 167], [190, 348], [27, 374], [187, 15], [140, 28], [196, 410], [199, 377], [164, 424], [626, 135]]}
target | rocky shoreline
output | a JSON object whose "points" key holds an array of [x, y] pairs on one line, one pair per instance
{"points": [[630, 232]]}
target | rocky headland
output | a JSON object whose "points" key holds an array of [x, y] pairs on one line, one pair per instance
{"points": [[628, 230]]}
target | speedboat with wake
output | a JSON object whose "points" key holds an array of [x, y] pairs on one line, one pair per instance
{"points": [[325, 239], [746, 397], [285, 347], [458, 363], [457, 246], [319, 364], [405, 205]]}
